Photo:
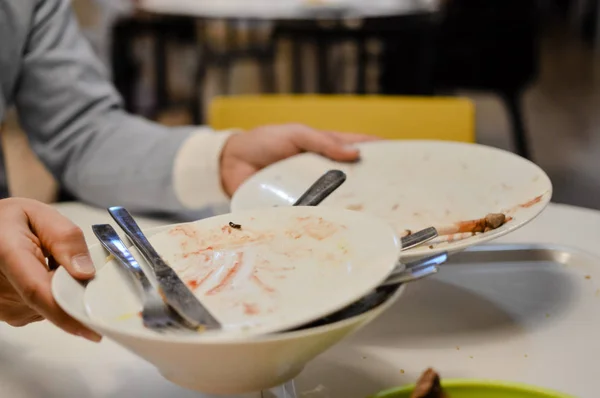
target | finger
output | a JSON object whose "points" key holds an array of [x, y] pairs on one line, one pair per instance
{"points": [[10, 298], [353, 138], [62, 240], [16, 314], [32, 281], [24, 319], [35, 318], [310, 140]]}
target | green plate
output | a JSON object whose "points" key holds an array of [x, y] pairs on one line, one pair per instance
{"points": [[480, 389]]}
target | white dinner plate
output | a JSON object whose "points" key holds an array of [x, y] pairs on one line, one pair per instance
{"points": [[280, 269], [415, 185]]}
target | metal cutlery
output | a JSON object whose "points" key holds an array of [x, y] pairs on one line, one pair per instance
{"points": [[416, 270], [418, 238], [156, 314], [172, 289], [322, 188], [403, 273], [173, 305], [413, 271]]}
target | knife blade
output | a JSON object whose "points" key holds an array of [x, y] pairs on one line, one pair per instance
{"points": [[173, 290]]}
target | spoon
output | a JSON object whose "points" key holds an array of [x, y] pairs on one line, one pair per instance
{"points": [[322, 188]]}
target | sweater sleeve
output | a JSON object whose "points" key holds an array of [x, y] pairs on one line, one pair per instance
{"points": [[77, 126]]}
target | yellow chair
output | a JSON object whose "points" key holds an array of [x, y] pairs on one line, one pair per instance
{"points": [[387, 117]]}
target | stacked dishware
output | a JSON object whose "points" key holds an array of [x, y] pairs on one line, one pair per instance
{"points": [[242, 302]]}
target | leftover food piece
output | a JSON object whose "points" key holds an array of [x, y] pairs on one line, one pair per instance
{"points": [[234, 225], [405, 233], [488, 223], [495, 220], [428, 386], [357, 207]]}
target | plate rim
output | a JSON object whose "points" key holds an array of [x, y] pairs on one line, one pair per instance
{"points": [[214, 337], [420, 251]]}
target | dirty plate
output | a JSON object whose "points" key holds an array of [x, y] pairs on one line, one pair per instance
{"points": [[481, 389], [260, 271], [415, 185]]}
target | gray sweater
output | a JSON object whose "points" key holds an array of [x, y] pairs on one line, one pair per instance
{"points": [[74, 118]]}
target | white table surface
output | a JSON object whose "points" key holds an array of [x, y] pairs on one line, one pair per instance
{"points": [[286, 9], [448, 327]]}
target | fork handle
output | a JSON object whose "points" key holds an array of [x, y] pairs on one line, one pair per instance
{"points": [[133, 231], [111, 241]]}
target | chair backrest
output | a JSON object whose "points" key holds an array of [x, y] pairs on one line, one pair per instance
{"points": [[387, 117]]}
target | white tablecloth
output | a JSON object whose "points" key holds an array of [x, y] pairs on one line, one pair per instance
{"points": [[450, 327]]}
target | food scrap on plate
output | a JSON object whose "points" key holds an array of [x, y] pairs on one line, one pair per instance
{"points": [[234, 225], [488, 223], [429, 386]]}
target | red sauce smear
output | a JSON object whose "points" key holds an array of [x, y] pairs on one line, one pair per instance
{"points": [[532, 202], [262, 285], [471, 226], [228, 277], [195, 284], [227, 229], [190, 234], [250, 309], [198, 252]]}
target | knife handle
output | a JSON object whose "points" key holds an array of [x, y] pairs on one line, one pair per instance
{"points": [[133, 232]]}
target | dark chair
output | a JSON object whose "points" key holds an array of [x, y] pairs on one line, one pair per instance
{"points": [[324, 36], [491, 46], [126, 68], [224, 58], [487, 45], [169, 29]]}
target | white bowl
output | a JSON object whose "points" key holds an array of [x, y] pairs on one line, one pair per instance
{"points": [[218, 367]]}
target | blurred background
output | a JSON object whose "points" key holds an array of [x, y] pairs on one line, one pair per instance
{"points": [[532, 68]]}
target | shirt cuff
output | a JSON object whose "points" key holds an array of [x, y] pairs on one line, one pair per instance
{"points": [[196, 171]]}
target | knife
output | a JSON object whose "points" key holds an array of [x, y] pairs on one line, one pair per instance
{"points": [[173, 290]]}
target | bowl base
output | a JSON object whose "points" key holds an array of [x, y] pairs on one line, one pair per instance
{"points": [[229, 386]]}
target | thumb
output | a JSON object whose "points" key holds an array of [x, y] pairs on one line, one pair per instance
{"points": [[61, 239], [310, 140]]}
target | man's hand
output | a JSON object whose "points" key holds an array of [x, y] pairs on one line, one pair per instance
{"points": [[34, 239], [245, 154]]}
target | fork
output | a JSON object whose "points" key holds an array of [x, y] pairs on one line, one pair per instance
{"points": [[156, 314]]}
